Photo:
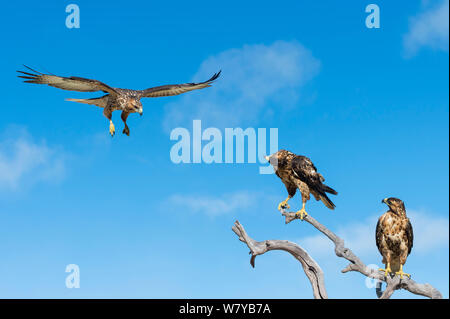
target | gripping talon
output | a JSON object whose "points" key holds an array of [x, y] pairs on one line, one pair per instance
{"points": [[284, 204], [112, 129], [302, 212], [401, 273], [387, 270]]}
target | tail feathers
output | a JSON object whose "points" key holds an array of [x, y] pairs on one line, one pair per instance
{"points": [[99, 101], [324, 198], [328, 189], [395, 264], [85, 101]]}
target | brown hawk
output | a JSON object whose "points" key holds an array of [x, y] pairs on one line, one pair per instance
{"points": [[394, 237], [128, 101], [298, 172]]}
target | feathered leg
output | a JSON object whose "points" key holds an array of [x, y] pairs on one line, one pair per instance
{"points": [[402, 262], [107, 112], [304, 190], [387, 259], [124, 117]]}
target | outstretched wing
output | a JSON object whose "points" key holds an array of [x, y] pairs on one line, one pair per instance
{"points": [[72, 83], [175, 89]]}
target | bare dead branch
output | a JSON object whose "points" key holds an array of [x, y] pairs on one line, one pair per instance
{"points": [[392, 282], [315, 273], [311, 268]]}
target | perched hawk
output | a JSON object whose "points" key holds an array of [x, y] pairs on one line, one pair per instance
{"points": [[394, 237], [128, 101], [299, 172]]}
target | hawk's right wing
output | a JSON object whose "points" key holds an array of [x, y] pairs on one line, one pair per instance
{"points": [[72, 83]]}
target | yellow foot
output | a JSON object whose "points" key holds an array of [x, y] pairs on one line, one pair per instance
{"points": [[401, 273], [112, 129], [386, 271], [302, 212], [283, 204]]}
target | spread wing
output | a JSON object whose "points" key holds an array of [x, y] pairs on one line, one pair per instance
{"points": [[175, 89], [72, 83], [409, 236]]}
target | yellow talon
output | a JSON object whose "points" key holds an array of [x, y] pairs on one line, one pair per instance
{"points": [[112, 129], [284, 204], [302, 212], [401, 273], [387, 270]]}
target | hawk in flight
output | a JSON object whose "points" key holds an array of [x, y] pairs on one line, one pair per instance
{"points": [[298, 172], [125, 100], [394, 237]]}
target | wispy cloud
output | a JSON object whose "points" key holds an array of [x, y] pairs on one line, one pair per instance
{"points": [[430, 232], [24, 162], [215, 205], [428, 29], [359, 237], [252, 77]]}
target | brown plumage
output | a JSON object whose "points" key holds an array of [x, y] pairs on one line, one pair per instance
{"points": [[394, 236], [128, 101], [298, 172]]}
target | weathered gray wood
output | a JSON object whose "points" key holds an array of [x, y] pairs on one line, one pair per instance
{"points": [[310, 266], [392, 282], [315, 273]]}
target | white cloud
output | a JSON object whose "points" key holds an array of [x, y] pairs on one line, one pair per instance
{"points": [[429, 28], [359, 237], [215, 205], [430, 232], [25, 162], [252, 76]]}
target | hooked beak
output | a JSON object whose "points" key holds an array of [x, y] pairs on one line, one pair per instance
{"points": [[141, 112], [267, 158], [385, 201]]}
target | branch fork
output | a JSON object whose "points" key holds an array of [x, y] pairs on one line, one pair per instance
{"points": [[315, 273]]}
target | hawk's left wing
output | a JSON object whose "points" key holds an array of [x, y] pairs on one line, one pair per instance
{"points": [[175, 89]]}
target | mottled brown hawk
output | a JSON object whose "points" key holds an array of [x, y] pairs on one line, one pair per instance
{"points": [[298, 172], [394, 237], [128, 101]]}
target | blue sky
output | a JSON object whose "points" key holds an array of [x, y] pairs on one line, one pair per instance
{"points": [[368, 106]]}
